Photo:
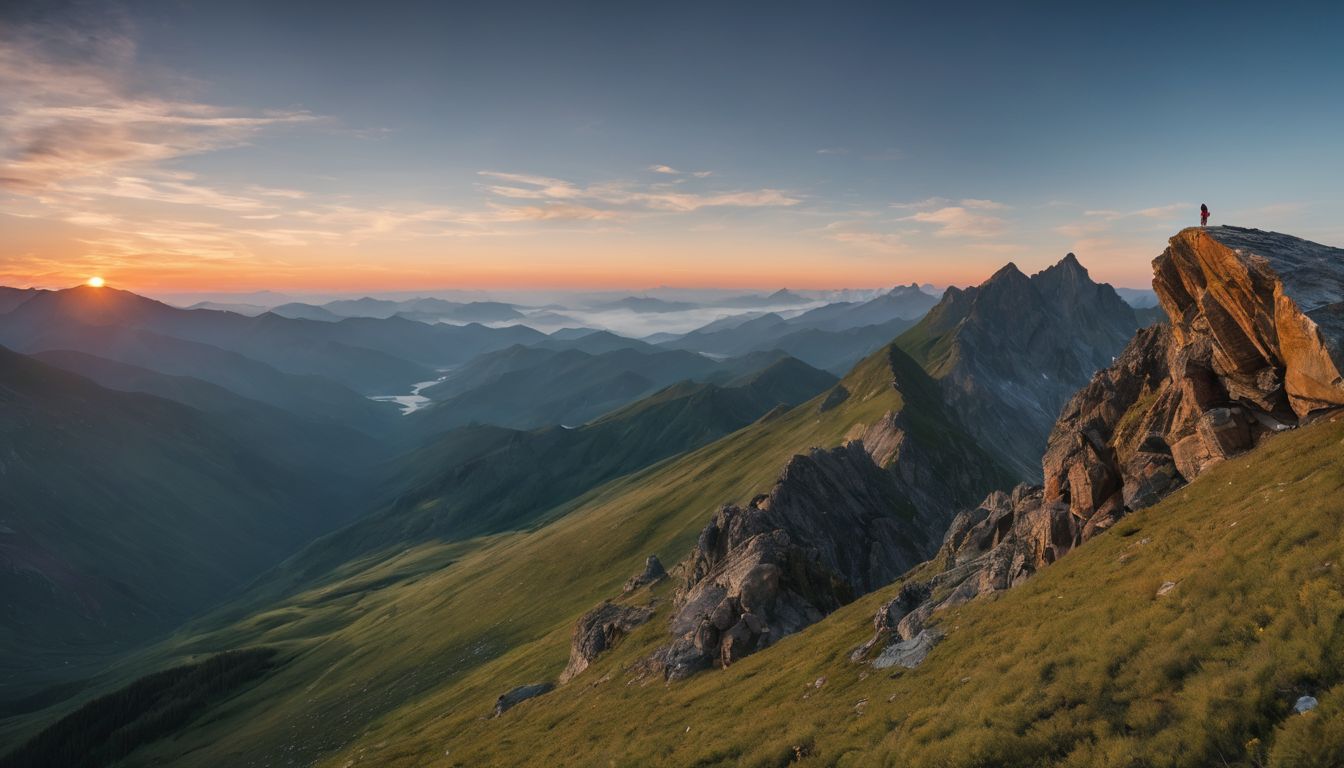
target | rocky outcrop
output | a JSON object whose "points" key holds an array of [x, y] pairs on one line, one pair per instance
{"points": [[1250, 350], [1271, 307], [835, 526], [600, 629], [652, 574], [520, 694], [1010, 352]]}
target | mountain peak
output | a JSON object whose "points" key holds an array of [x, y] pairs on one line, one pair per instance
{"points": [[1008, 273]]}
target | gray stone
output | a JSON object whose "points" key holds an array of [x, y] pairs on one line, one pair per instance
{"points": [[909, 653], [652, 574], [600, 629]]}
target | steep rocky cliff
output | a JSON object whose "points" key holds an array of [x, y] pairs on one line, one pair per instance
{"points": [[1010, 352], [1254, 347], [837, 524]]}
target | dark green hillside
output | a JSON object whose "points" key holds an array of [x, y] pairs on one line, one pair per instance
{"points": [[120, 516], [112, 726], [478, 480], [529, 387], [333, 459], [310, 397]]}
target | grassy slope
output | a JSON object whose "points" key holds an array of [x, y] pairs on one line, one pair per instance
{"points": [[165, 512], [1084, 665], [383, 633]]}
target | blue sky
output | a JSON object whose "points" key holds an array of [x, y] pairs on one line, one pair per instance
{"points": [[401, 145]]}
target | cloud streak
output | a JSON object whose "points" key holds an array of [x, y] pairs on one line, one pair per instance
{"points": [[631, 197]]}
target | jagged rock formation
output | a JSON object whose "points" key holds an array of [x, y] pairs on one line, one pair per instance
{"points": [[831, 529], [518, 695], [652, 574], [600, 629], [1271, 306], [837, 524], [1011, 351], [1253, 348]]}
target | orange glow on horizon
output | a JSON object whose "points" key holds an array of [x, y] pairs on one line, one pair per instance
{"points": [[356, 280]]}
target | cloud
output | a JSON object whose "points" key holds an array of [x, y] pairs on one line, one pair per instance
{"points": [[982, 205], [628, 195], [84, 142], [960, 221], [861, 234], [73, 116], [833, 151]]}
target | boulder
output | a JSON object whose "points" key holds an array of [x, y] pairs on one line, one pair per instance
{"points": [[909, 653], [597, 631], [652, 574]]}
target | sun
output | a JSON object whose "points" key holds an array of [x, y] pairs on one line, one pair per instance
{"points": [[95, 282]]}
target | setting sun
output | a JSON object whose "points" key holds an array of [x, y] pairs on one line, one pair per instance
{"points": [[95, 282]]}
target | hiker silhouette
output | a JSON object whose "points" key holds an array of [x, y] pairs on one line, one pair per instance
{"points": [[1203, 214]]}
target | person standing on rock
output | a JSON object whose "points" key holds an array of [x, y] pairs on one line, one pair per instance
{"points": [[1203, 214]]}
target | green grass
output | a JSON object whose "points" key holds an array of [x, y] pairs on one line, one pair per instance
{"points": [[400, 626], [1084, 665]]}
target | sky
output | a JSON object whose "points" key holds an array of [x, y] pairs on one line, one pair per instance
{"points": [[363, 147]]}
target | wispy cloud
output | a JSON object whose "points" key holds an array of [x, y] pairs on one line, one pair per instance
{"points": [[833, 151], [960, 221], [76, 117], [863, 234], [631, 196]]}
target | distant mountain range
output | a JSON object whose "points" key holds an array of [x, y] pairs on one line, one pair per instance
{"points": [[568, 382], [832, 337]]}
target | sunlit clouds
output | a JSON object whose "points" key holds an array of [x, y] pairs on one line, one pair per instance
{"points": [[118, 160]]}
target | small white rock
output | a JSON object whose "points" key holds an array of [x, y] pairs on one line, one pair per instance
{"points": [[1166, 587], [1305, 705]]}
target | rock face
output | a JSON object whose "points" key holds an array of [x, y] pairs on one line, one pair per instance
{"points": [[1270, 305], [831, 529], [838, 524], [600, 629], [1011, 351], [652, 574], [520, 694], [1243, 357]]}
